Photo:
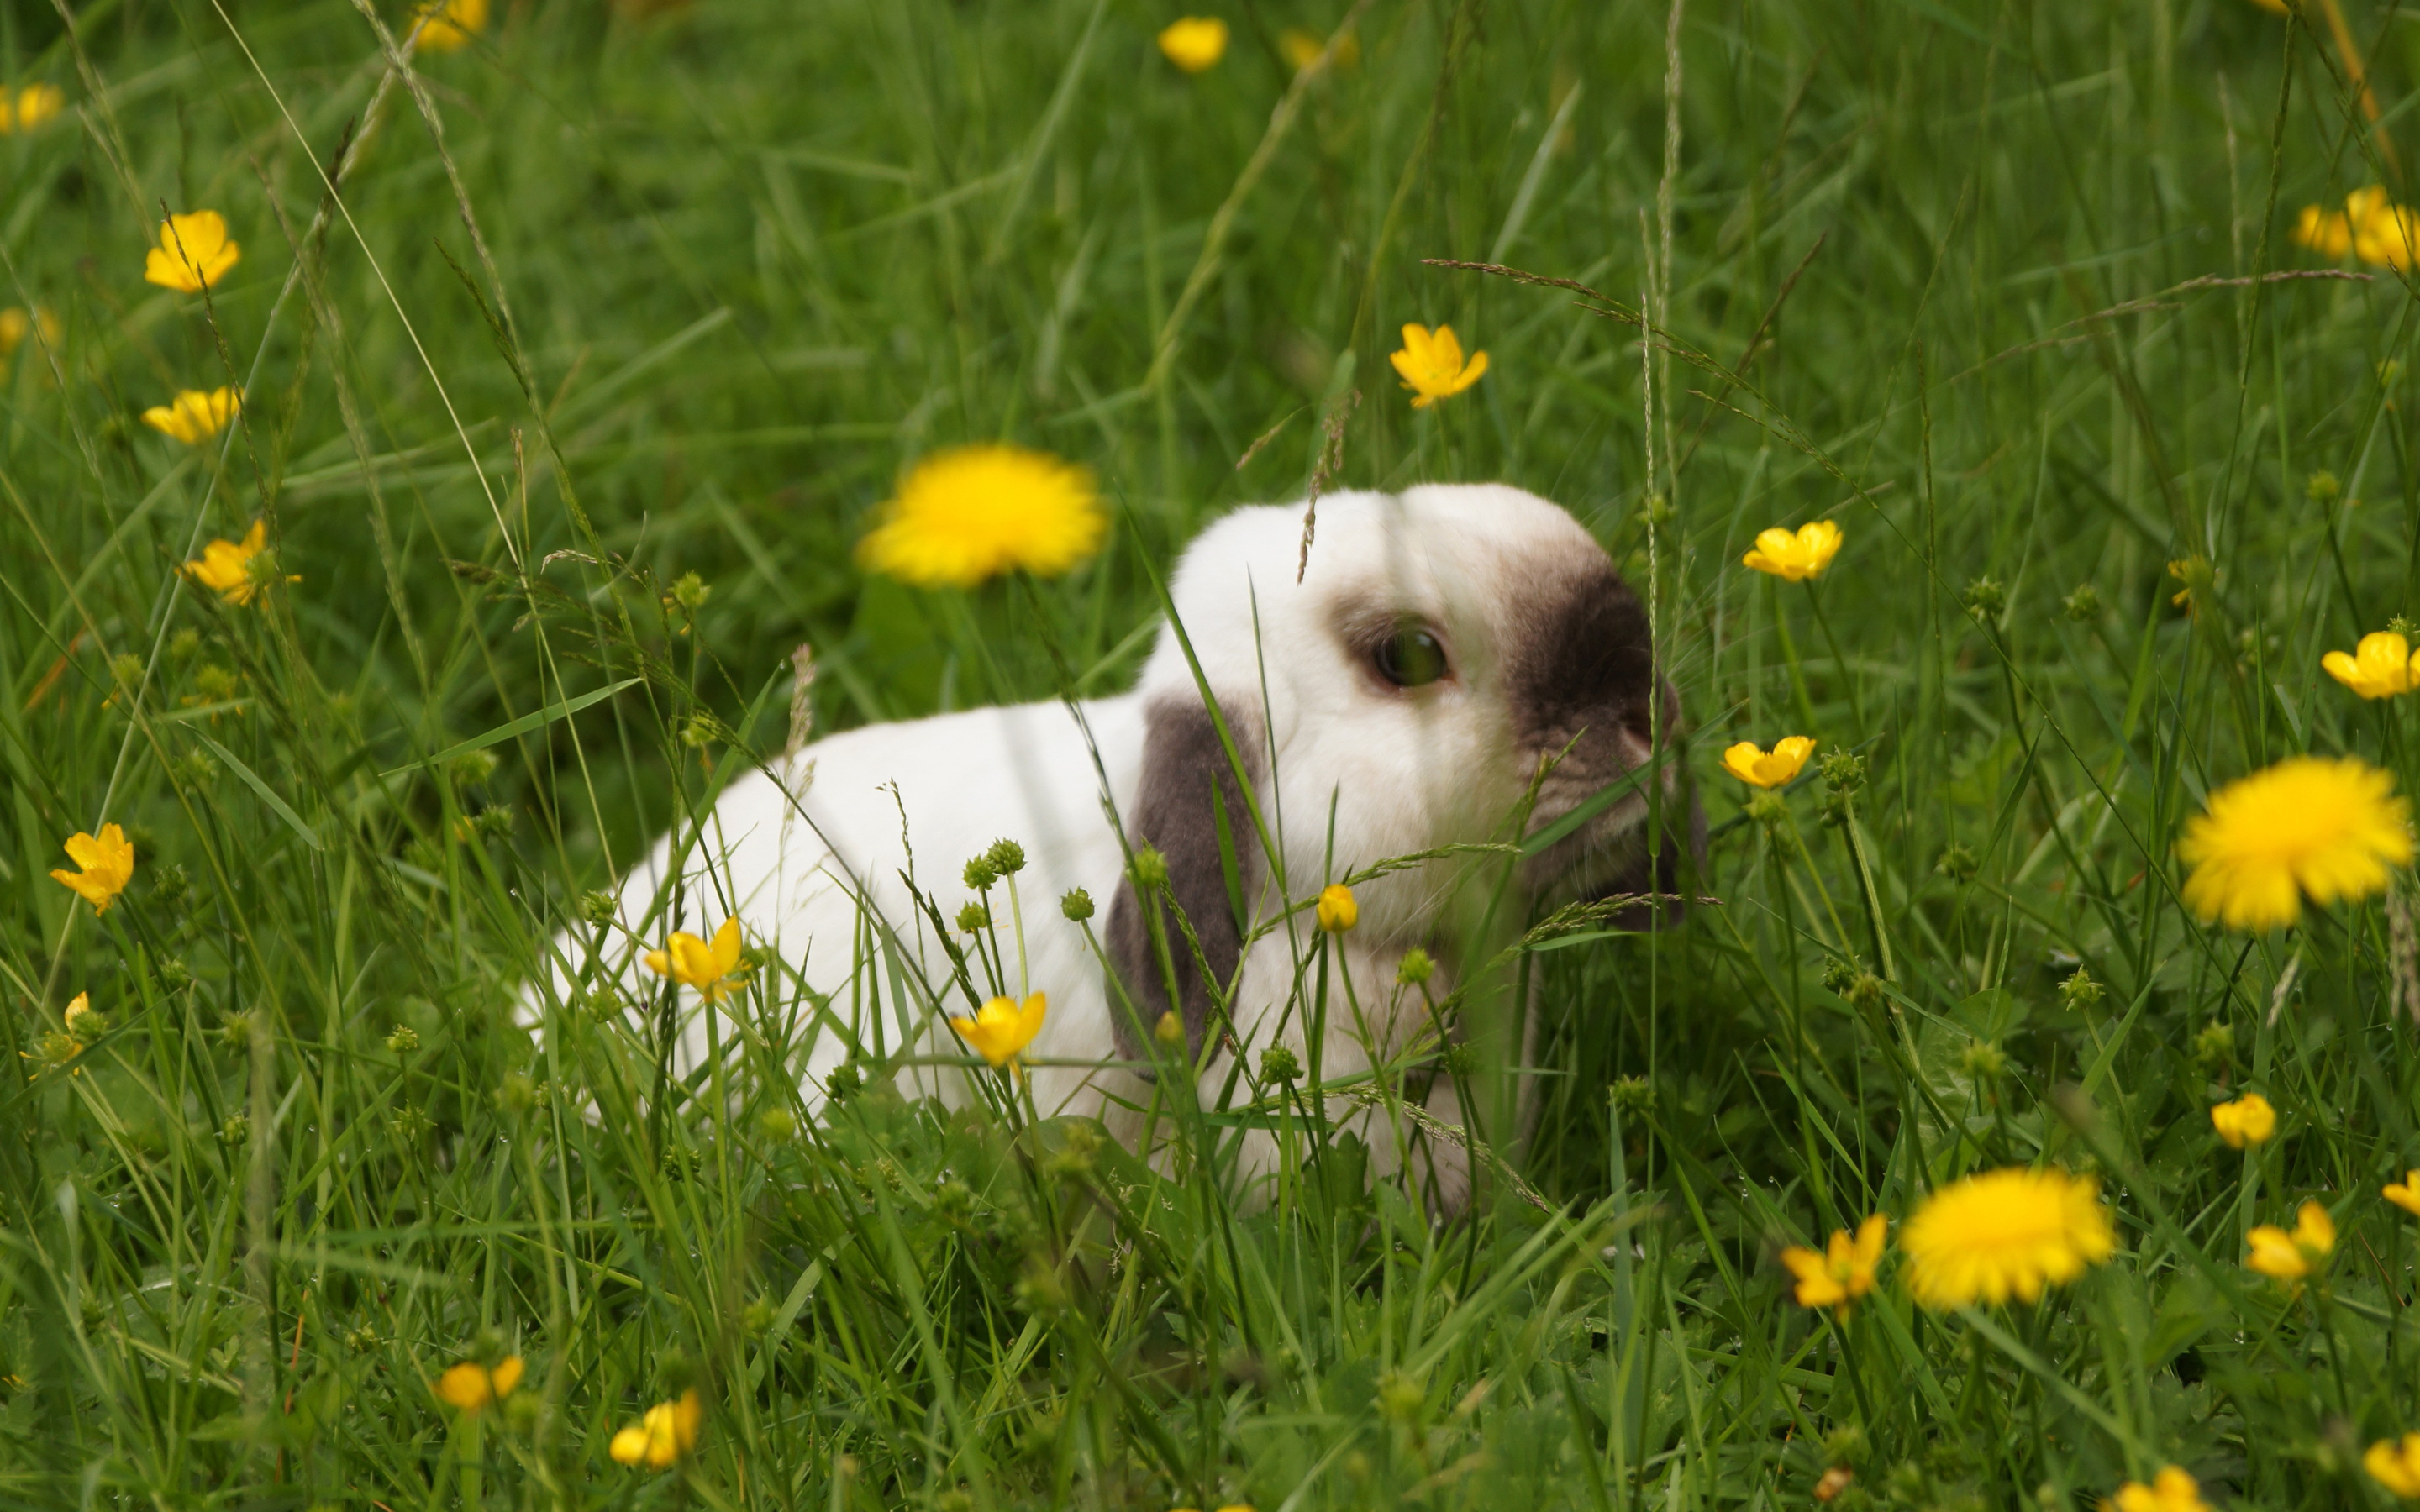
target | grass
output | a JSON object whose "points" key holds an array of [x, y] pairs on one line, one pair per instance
{"points": [[608, 298]]}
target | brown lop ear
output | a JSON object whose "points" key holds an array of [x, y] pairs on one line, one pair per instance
{"points": [[1184, 765]]}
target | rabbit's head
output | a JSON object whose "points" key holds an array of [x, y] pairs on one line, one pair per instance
{"points": [[1458, 664]]}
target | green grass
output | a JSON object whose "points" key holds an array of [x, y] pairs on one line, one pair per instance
{"points": [[683, 295]]}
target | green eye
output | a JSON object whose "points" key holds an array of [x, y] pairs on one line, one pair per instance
{"points": [[1410, 657]]}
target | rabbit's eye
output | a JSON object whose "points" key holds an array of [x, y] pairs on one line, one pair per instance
{"points": [[1410, 657]]}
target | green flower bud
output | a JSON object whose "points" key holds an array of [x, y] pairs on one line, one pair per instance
{"points": [[1076, 905]]}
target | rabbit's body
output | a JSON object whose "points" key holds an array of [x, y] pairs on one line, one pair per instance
{"points": [[1459, 667]]}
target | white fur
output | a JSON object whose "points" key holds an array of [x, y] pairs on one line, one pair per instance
{"points": [[1405, 769]]}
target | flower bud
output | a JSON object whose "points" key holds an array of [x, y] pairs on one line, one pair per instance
{"points": [[1006, 856], [1076, 905], [1150, 870], [2079, 990], [1415, 967], [2082, 604], [1277, 1064]]}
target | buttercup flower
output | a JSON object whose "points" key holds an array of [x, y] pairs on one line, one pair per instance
{"points": [[1302, 49], [1844, 1272], [79, 1014], [1758, 767], [2171, 1490], [1001, 1030], [2406, 1193], [1795, 557], [1338, 912], [2290, 1257], [107, 865], [693, 963], [973, 513], [450, 25], [225, 567], [1432, 366], [471, 1386], [2325, 827], [2247, 1120], [667, 1432], [2004, 1234], [16, 325], [2197, 575], [2371, 227], [2380, 667], [1194, 43], [29, 107], [194, 416], [2396, 1465], [193, 253]]}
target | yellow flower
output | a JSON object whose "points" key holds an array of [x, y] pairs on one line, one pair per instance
{"points": [[1799, 557], [1432, 366], [16, 325], [1338, 912], [2396, 1466], [2406, 1193], [2197, 575], [1194, 43], [195, 415], [2380, 667], [193, 253], [2171, 1490], [1844, 1272], [2327, 827], [450, 25], [2284, 1256], [1302, 49], [79, 1008], [1001, 1030], [667, 1432], [1758, 767], [2004, 1234], [471, 1386], [225, 567], [2325, 232], [2247, 1120], [693, 963], [973, 513], [108, 865], [32, 106]]}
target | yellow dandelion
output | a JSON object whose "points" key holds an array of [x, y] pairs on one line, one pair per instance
{"points": [[450, 25], [1194, 43], [1338, 911], [1843, 1271], [2310, 826], [2290, 1257], [2381, 666], [29, 107], [2247, 1120], [471, 1386], [712, 969], [195, 415], [2396, 1465], [105, 865], [2405, 1194], [1432, 366], [667, 1432], [2171, 1490], [967, 514], [1759, 767], [2003, 1234], [193, 253], [1795, 556], [1000, 1029]]}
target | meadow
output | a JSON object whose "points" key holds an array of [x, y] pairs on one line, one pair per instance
{"points": [[578, 346]]}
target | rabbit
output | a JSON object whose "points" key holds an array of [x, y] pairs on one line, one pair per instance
{"points": [[1449, 654]]}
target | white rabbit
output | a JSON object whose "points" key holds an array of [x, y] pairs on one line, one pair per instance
{"points": [[1445, 646]]}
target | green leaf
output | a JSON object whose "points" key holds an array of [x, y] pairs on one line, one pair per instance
{"points": [[526, 723]]}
